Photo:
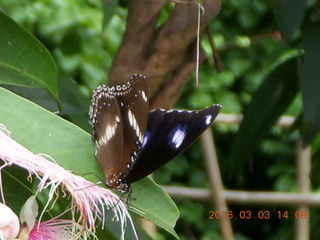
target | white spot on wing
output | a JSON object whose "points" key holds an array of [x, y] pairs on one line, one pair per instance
{"points": [[208, 119], [146, 138], [144, 96], [134, 125], [178, 135], [109, 132]]}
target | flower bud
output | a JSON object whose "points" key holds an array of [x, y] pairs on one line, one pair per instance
{"points": [[9, 223], [29, 212]]}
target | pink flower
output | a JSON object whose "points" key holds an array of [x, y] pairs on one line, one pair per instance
{"points": [[53, 229], [57, 229], [30, 229]]}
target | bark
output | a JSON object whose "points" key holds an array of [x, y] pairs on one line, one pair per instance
{"points": [[166, 55]]}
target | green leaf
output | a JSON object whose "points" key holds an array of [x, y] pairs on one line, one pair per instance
{"points": [[24, 61], [150, 202], [13, 180], [267, 105], [45, 132], [289, 15], [108, 10], [75, 102], [310, 81], [72, 148], [157, 206]]}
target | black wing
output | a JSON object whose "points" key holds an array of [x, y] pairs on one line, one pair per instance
{"points": [[168, 134]]}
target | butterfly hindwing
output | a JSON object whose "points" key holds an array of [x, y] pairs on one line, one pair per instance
{"points": [[107, 128], [168, 134]]}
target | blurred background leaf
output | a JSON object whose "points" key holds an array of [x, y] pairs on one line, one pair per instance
{"points": [[24, 61], [268, 103], [310, 81], [289, 16]]}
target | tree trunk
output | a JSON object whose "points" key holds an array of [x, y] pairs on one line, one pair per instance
{"points": [[167, 54]]}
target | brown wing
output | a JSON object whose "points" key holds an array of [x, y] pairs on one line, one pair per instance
{"points": [[134, 108], [119, 117], [106, 120]]}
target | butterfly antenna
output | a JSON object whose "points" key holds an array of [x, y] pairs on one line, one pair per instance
{"points": [[89, 173]]}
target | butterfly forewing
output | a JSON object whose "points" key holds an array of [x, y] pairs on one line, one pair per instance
{"points": [[133, 102], [119, 118], [168, 134]]}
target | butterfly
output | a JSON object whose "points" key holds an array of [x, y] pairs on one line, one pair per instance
{"points": [[131, 141]]}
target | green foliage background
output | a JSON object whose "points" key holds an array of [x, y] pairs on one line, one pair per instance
{"points": [[83, 38]]}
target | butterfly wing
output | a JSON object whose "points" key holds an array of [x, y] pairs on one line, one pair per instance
{"points": [[168, 134], [106, 120], [134, 108], [118, 116]]}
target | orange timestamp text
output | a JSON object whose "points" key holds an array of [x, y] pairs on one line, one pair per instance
{"points": [[258, 215]]}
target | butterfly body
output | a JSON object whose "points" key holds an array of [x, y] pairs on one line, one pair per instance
{"points": [[132, 142]]}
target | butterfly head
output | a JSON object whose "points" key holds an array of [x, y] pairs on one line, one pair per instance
{"points": [[120, 185]]}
